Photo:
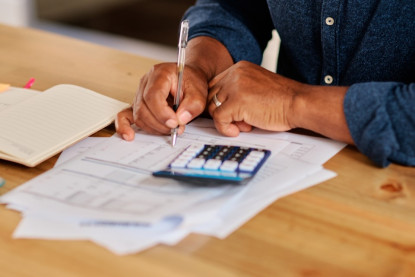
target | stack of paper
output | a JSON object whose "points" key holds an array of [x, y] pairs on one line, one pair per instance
{"points": [[103, 190]]}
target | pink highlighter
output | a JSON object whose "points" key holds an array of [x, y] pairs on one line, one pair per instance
{"points": [[29, 84]]}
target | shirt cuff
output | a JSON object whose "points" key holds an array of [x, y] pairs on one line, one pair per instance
{"points": [[376, 114], [216, 22]]}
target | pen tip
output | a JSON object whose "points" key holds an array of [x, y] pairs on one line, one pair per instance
{"points": [[173, 140]]}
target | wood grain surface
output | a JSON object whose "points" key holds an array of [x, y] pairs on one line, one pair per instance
{"points": [[361, 223]]}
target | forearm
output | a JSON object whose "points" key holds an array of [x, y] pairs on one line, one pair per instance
{"points": [[320, 109], [208, 56]]}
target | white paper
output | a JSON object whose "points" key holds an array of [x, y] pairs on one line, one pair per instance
{"points": [[121, 240], [127, 191], [14, 95], [79, 148], [316, 150], [106, 193], [230, 219]]}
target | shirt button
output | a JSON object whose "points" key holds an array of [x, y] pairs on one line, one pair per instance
{"points": [[329, 21], [328, 79]]}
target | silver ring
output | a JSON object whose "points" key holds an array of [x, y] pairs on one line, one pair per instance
{"points": [[216, 101]]}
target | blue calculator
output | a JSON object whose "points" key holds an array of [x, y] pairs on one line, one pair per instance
{"points": [[215, 164]]}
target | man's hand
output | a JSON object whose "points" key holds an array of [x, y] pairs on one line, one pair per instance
{"points": [[251, 96], [152, 106]]}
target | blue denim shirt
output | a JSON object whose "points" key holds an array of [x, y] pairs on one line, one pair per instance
{"points": [[367, 45]]}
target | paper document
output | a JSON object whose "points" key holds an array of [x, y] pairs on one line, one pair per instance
{"points": [[81, 147], [127, 191], [106, 193]]}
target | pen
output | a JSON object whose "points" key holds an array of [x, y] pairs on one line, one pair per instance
{"points": [[184, 30]]}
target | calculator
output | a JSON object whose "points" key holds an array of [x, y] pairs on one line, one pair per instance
{"points": [[210, 164]]}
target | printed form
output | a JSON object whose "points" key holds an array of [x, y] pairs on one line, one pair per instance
{"points": [[107, 193], [113, 181]]}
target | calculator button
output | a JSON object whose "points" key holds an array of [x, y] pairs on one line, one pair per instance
{"points": [[229, 166], [244, 175], [179, 162], [212, 164], [196, 163], [195, 148], [257, 154], [220, 155], [239, 155], [250, 159], [247, 166], [186, 156]]}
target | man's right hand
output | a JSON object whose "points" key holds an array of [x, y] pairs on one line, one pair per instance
{"points": [[152, 106]]}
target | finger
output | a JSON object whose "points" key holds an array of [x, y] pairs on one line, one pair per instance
{"points": [[181, 129], [243, 126], [143, 116], [138, 97], [192, 104], [228, 129], [146, 121], [158, 87], [221, 97], [224, 118], [214, 87], [123, 124]]}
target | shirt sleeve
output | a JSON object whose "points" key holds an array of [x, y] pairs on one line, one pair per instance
{"points": [[243, 26], [381, 119]]}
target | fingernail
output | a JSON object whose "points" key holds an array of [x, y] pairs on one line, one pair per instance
{"points": [[125, 137], [185, 117], [171, 123]]}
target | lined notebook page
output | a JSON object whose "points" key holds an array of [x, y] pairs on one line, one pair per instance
{"points": [[14, 95], [40, 127]]}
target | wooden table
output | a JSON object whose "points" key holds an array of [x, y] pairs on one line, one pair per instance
{"points": [[361, 223]]}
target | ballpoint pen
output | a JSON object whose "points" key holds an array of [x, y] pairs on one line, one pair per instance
{"points": [[184, 30]]}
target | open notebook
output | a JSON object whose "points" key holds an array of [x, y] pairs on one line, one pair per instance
{"points": [[41, 125]]}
